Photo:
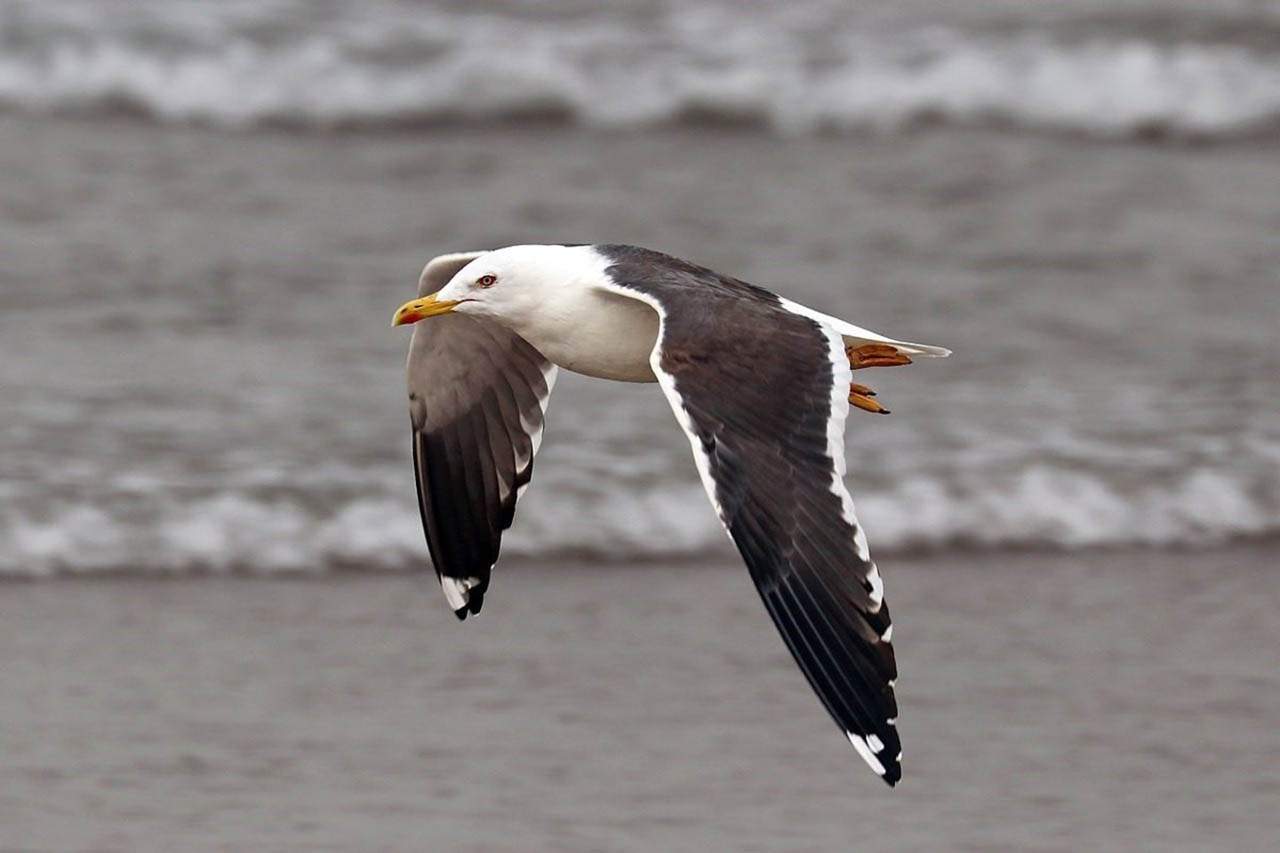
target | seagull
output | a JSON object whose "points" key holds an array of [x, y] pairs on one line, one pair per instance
{"points": [[761, 386]]}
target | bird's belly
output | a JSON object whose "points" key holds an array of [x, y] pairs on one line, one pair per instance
{"points": [[612, 340]]}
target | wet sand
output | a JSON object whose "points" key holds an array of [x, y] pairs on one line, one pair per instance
{"points": [[1110, 701]]}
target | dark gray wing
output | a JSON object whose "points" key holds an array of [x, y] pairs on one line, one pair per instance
{"points": [[477, 399], [762, 393]]}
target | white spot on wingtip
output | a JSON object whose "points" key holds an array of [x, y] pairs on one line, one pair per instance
{"points": [[893, 721], [865, 751], [457, 591], [887, 636]]}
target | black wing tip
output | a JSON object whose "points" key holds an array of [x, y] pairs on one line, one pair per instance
{"points": [[464, 595], [892, 775], [872, 750], [475, 601]]}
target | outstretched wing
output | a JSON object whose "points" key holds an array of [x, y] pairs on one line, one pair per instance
{"points": [[477, 398], [761, 391]]}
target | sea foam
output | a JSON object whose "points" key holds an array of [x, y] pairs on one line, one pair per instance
{"points": [[788, 74], [1041, 508]]}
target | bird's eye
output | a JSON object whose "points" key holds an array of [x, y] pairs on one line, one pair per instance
{"points": [[486, 281]]}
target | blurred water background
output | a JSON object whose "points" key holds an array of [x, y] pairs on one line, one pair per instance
{"points": [[209, 211]]}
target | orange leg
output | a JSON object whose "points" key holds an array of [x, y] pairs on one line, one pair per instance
{"points": [[867, 404], [871, 355]]}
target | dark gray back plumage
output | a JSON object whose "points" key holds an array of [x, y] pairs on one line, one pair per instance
{"points": [[755, 381]]}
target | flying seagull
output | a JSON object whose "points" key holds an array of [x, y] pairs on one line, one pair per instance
{"points": [[760, 384]]}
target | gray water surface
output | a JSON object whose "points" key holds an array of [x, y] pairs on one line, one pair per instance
{"points": [[199, 372]]}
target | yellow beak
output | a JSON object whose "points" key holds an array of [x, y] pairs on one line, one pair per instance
{"points": [[420, 309]]}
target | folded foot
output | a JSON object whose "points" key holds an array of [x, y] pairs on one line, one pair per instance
{"points": [[871, 355], [875, 355]]}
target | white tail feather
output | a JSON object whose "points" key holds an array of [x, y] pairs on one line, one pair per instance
{"points": [[856, 335]]}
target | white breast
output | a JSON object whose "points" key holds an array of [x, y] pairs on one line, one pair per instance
{"points": [[559, 299], [591, 331]]}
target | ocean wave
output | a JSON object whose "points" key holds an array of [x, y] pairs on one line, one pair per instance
{"points": [[456, 68], [1042, 508]]}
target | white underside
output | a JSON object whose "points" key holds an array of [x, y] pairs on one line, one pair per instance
{"points": [[609, 337]]}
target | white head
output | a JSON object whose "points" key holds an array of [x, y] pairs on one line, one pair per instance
{"points": [[509, 285]]}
